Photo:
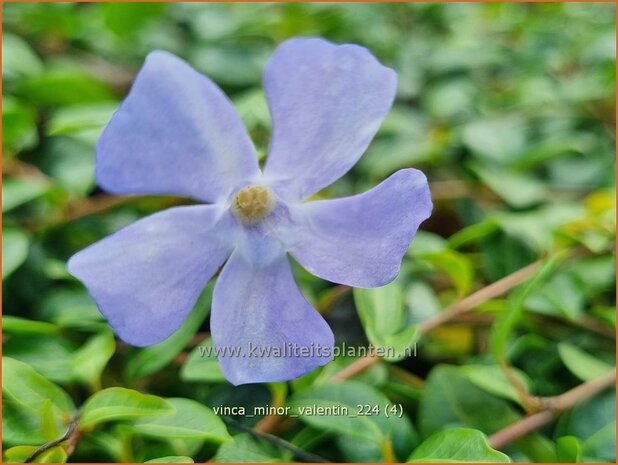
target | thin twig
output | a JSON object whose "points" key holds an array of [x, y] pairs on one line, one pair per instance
{"points": [[553, 406], [482, 295], [298, 453], [356, 367], [468, 303], [69, 435]]}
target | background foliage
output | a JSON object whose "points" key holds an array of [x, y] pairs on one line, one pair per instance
{"points": [[508, 108]]}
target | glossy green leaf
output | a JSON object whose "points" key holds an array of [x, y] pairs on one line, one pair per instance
{"points": [[90, 360], [517, 189], [64, 87], [450, 399], [126, 19], [492, 379], [569, 449], [583, 365], [16, 192], [70, 162], [505, 323], [246, 449], [30, 390], [51, 356], [191, 420], [384, 317], [171, 459], [18, 325], [73, 119], [456, 266], [593, 422], [19, 454], [502, 139], [201, 366], [19, 131], [18, 58], [457, 445], [35, 410], [116, 403], [54, 455], [355, 410], [15, 244]]}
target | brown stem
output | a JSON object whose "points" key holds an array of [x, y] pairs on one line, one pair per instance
{"points": [[356, 367], [553, 406], [482, 295], [72, 435], [473, 300]]}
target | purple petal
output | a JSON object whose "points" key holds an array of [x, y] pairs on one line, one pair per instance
{"points": [[147, 277], [326, 102], [359, 240], [175, 133], [263, 308]]}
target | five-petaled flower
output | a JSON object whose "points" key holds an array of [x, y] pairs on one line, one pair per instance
{"points": [[177, 133]]}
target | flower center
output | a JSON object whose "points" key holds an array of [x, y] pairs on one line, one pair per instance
{"points": [[253, 203]]}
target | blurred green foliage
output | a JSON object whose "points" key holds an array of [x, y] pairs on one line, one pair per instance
{"points": [[508, 108]]}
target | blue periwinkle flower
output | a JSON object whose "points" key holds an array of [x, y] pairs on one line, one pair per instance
{"points": [[177, 133]]}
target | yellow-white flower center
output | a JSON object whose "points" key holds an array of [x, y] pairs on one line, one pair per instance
{"points": [[253, 203]]}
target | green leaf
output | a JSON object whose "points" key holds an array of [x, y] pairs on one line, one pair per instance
{"points": [[70, 162], [171, 459], [90, 360], [422, 301], [16, 192], [74, 119], [18, 58], [19, 131], [246, 449], [517, 189], [563, 295], [30, 390], [473, 234], [54, 455], [229, 65], [536, 228], [457, 445], [192, 420], [356, 410], [449, 400], [116, 403], [17, 325], [569, 449], [18, 454], [126, 19], [492, 379], [61, 87], [51, 356], [202, 368], [72, 308], [506, 321], [501, 140], [425, 243], [456, 266], [15, 245], [593, 422], [35, 410], [583, 365], [143, 362], [383, 315]]}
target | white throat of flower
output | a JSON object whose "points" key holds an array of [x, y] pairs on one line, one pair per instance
{"points": [[253, 203]]}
